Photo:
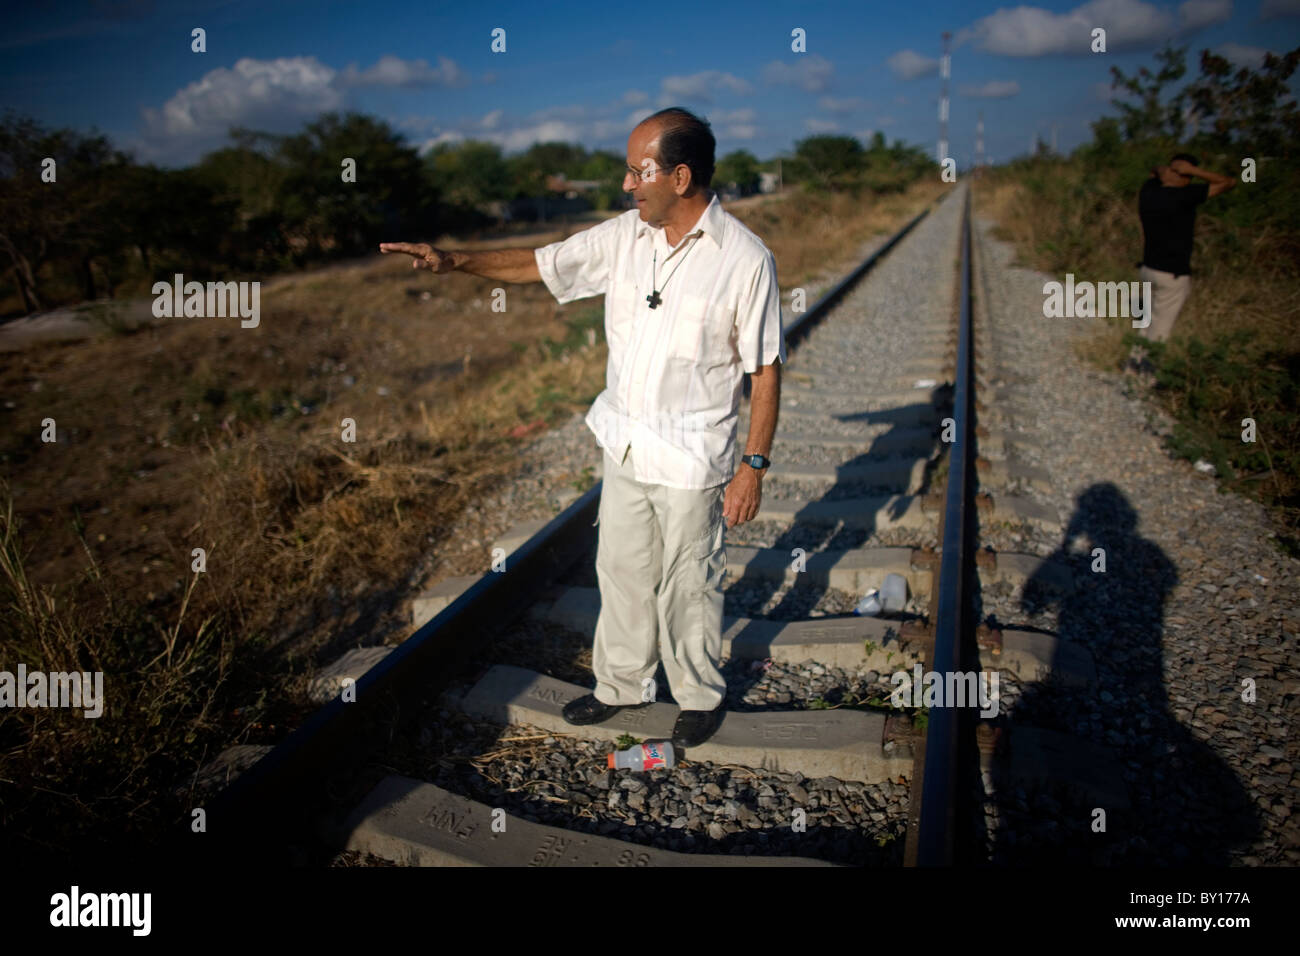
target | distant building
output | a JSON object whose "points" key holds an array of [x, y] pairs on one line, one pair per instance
{"points": [[542, 208], [570, 188], [563, 197], [767, 182]]}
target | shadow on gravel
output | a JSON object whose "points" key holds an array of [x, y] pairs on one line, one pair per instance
{"points": [[900, 444], [1186, 806]]}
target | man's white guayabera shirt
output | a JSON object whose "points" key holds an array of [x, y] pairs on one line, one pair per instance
{"points": [[674, 380]]}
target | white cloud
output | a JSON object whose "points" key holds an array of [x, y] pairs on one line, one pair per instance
{"points": [[1239, 55], [1033, 31], [447, 136], [885, 121], [992, 90], [634, 98], [699, 87], [418, 124], [733, 124], [1195, 14], [1279, 8], [574, 123], [525, 136], [276, 93], [847, 105], [815, 124], [811, 74], [741, 131], [745, 115], [609, 128], [908, 64], [393, 71]]}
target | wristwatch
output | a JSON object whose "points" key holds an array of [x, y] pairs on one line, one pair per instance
{"points": [[757, 462]]}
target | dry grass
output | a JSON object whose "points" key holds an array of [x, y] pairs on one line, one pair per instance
{"points": [[814, 237], [1235, 344], [1005, 201], [202, 434], [1101, 239]]}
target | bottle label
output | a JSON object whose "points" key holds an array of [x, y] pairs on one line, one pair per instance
{"points": [[652, 756]]}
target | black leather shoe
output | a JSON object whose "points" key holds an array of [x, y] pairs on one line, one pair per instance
{"points": [[694, 727], [588, 710]]}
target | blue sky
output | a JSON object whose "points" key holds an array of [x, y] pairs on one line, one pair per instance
{"points": [[588, 72]]}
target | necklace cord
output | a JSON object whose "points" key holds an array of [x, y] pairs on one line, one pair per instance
{"points": [[655, 262]]}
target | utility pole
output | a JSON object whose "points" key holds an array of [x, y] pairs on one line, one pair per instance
{"points": [[979, 140], [943, 101]]}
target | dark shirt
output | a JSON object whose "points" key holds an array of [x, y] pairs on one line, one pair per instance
{"points": [[1168, 216]]}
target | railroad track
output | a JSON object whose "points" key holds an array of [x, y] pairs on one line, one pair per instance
{"points": [[451, 747]]}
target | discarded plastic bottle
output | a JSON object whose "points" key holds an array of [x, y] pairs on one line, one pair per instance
{"points": [[893, 593], [648, 756], [891, 598], [870, 605]]}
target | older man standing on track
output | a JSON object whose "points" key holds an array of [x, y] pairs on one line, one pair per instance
{"points": [[691, 303]]}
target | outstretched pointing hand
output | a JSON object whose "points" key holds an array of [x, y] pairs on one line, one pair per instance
{"points": [[426, 257]]}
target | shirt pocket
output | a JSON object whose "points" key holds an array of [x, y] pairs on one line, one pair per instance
{"points": [[620, 315], [702, 332]]}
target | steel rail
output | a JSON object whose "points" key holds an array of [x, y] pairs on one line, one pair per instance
{"points": [[935, 836]]}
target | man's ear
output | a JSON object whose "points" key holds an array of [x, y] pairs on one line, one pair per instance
{"points": [[686, 181]]}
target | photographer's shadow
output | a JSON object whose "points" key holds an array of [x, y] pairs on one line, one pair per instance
{"points": [[1186, 806]]}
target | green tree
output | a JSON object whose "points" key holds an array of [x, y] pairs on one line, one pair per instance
{"points": [[1152, 116], [1107, 141], [249, 174], [529, 169], [606, 168], [892, 168], [739, 168], [321, 211], [828, 162], [471, 172], [68, 221], [1248, 107]]}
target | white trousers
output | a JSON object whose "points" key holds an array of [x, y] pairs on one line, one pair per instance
{"points": [[660, 561], [1169, 292]]}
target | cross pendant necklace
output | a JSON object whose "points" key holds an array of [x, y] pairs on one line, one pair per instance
{"points": [[654, 298]]}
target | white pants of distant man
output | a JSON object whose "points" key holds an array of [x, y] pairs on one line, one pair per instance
{"points": [[1168, 293], [660, 562]]}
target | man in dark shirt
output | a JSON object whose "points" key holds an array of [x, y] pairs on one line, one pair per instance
{"points": [[1167, 206]]}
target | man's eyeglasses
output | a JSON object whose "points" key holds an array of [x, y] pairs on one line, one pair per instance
{"points": [[651, 173]]}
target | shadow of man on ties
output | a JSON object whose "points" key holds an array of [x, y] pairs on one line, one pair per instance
{"points": [[909, 439], [1186, 806]]}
